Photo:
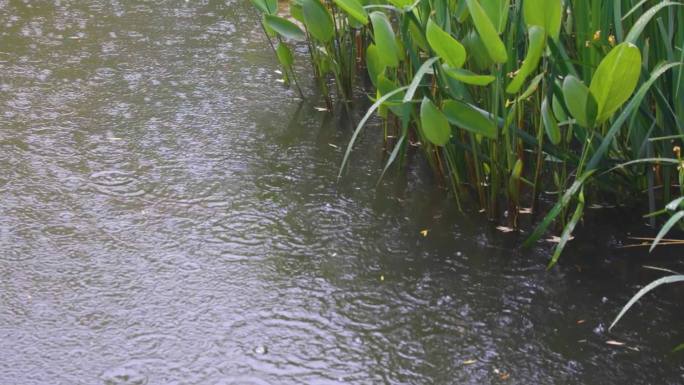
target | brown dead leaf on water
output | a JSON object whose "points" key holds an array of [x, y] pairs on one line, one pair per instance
{"points": [[581, 321]]}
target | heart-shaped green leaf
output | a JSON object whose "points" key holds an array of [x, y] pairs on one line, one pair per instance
{"points": [[374, 64], [354, 9], [269, 7], [445, 46], [385, 40], [434, 124], [579, 101], [466, 117], [497, 11], [284, 27], [546, 14], [615, 79], [490, 37], [550, 123], [284, 55], [318, 20]]}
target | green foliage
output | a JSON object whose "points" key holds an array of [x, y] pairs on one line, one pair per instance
{"points": [[546, 14], [615, 79], [434, 124], [318, 20], [446, 47], [489, 34], [496, 93], [284, 27], [384, 38]]}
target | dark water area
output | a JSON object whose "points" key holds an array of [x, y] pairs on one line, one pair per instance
{"points": [[170, 214]]}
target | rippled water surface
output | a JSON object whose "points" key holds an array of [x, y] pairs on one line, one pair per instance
{"points": [[169, 214]]}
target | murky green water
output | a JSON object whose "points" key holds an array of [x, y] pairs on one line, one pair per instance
{"points": [[169, 215]]}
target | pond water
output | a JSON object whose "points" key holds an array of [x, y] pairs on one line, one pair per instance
{"points": [[169, 214]]}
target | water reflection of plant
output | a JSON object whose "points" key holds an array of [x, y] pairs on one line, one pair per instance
{"points": [[494, 91]]}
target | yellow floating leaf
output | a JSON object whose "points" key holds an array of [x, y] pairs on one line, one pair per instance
{"points": [[424, 232]]}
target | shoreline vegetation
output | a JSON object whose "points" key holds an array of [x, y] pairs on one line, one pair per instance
{"points": [[509, 98]]}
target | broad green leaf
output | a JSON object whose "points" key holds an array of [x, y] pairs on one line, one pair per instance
{"points": [[388, 50], [296, 11], [284, 55], [550, 123], [445, 46], [269, 7], [434, 124], [546, 14], [534, 53], [558, 110], [466, 117], [644, 291], [627, 112], [467, 77], [477, 51], [615, 79], [497, 11], [490, 37], [374, 64], [284, 27], [318, 20], [417, 36], [395, 103], [580, 101], [355, 9]]}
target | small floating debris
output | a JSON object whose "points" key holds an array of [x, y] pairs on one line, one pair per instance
{"points": [[615, 343], [555, 239], [502, 375], [469, 362], [424, 233], [505, 229], [261, 350], [321, 109], [333, 145]]}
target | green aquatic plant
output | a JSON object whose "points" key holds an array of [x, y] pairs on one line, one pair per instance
{"points": [[507, 98]]}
